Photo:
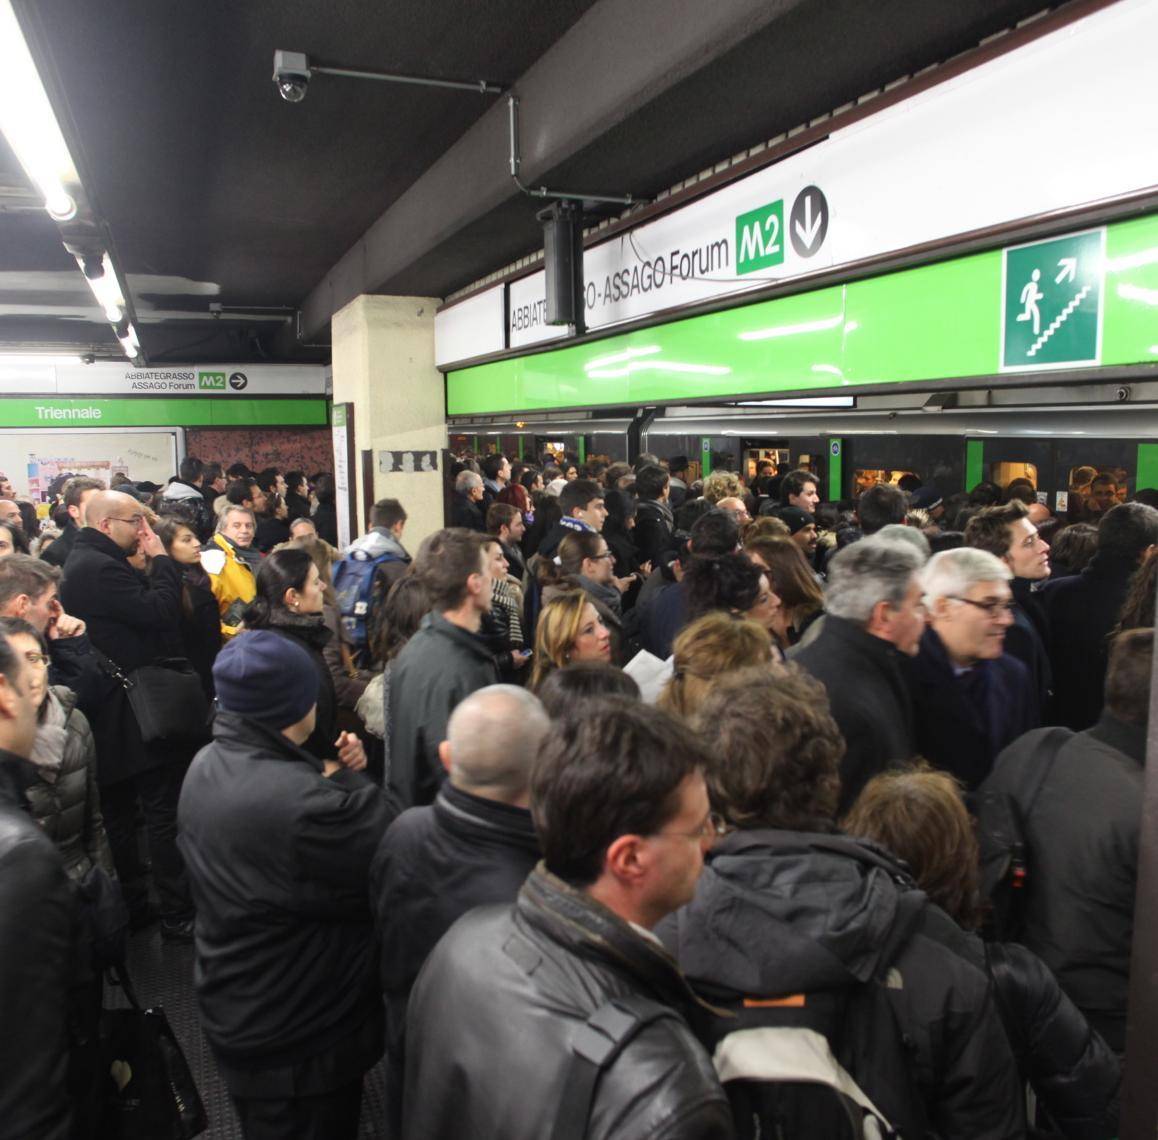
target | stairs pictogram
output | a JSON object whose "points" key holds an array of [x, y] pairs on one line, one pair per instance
{"points": [[1059, 320]]}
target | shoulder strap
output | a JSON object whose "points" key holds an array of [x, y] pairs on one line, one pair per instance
{"points": [[1044, 754], [596, 1044]]}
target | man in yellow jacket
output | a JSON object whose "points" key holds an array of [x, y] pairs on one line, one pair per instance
{"points": [[231, 563]]}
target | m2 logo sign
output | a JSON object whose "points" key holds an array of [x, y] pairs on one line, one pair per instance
{"points": [[211, 381], [760, 238]]}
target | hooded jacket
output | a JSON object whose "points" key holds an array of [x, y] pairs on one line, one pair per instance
{"points": [[780, 912], [38, 927], [232, 580], [279, 859], [440, 666], [496, 1009], [192, 499]]}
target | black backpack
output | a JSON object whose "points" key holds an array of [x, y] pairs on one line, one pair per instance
{"points": [[1002, 834]]}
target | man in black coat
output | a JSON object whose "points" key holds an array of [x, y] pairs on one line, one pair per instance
{"points": [[1082, 611], [133, 621], [1007, 533], [970, 698], [1079, 797], [472, 847], [654, 521], [622, 812], [466, 510], [278, 845], [77, 492], [37, 933], [874, 618]]}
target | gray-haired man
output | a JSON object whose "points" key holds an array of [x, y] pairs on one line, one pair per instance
{"points": [[874, 616]]}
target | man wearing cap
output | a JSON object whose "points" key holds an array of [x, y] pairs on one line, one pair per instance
{"points": [[278, 846], [929, 500], [801, 526]]}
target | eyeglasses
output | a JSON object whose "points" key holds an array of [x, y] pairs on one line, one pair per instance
{"points": [[135, 520], [41, 659], [605, 554], [993, 609], [712, 828]]}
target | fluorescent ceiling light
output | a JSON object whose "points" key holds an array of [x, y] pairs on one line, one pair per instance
{"points": [[792, 330], [15, 359], [805, 402], [106, 290], [28, 122], [130, 344]]}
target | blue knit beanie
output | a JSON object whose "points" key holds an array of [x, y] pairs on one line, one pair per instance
{"points": [[265, 677]]}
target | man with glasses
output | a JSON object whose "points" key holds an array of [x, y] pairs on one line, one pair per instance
{"points": [[1008, 533], [970, 697], [132, 620], [503, 1003]]}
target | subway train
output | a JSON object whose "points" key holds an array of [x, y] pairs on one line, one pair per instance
{"points": [[951, 439]]}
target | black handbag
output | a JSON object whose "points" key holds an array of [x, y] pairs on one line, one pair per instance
{"points": [[150, 1092], [167, 700]]}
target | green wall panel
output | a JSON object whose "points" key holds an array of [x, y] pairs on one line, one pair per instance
{"points": [[935, 322]]}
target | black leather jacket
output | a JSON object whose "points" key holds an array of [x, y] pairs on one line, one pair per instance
{"points": [[495, 1010], [37, 942]]}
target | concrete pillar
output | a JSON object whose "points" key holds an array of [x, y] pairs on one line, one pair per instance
{"points": [[383, 364]]}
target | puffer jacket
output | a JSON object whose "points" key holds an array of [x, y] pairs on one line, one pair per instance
{"points": [[37, 944], [495, 1010], [64, 796], [232, 581], [1071, 1069], [780, 912]]}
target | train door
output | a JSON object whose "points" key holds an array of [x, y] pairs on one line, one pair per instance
{"points": [[791, 453], [1063, 470], [903, 461]]}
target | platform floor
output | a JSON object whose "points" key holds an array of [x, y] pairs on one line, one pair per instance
{"points": [[163, 975]]}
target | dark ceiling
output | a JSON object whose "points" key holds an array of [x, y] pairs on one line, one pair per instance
{"points": [[216, 190]]}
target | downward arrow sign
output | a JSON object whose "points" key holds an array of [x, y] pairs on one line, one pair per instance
{"points": [[807, 233], [1069, 270]]}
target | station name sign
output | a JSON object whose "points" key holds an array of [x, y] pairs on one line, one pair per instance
{"points": [[109, 378], [889, 182]]}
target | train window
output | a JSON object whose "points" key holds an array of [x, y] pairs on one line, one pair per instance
{"points": [[1081, 477], [865, 477], [1004, 473], [754, 455]]}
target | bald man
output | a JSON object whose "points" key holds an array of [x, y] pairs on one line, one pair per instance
{"points": [[473, 846], [133, 619]]}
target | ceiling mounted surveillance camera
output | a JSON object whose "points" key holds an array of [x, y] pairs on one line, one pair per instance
{"points": [[291, 73]]}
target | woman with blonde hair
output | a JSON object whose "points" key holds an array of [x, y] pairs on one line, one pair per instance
{"points": [[711, 647], [569, 631], [920, 816]]}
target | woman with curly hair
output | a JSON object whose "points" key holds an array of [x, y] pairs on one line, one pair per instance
{"points": [[920, 816], [713, 646], [735, 584]]}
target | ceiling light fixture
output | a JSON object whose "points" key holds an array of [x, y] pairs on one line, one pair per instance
{"points": [[29, 124]]}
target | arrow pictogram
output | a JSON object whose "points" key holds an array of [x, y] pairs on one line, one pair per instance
{"points": [[1069, 270]]}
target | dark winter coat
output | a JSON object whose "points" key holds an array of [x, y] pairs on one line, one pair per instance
{"points": [[621, 543], [190, 503], [654, 524], [869, 699], [65, 800], [310, 632], [38, 929], [1072, 1071], [296, 506], [466, 513], [1026, 640], [779, 912], [962, 722], [433, 865], [661, 617], [200, 624], [1082, 835], [1082, 611], [74, 664], [279, 859], [494, 1012], [326, 522], [131, 619], [57, 552], [270, 532], [439, 666]]}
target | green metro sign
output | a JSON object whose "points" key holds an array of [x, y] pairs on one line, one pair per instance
{"points": [[1051, 302], [760, 238]]}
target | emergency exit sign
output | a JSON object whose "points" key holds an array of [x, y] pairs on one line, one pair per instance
{"points": [[1051, 303]]}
